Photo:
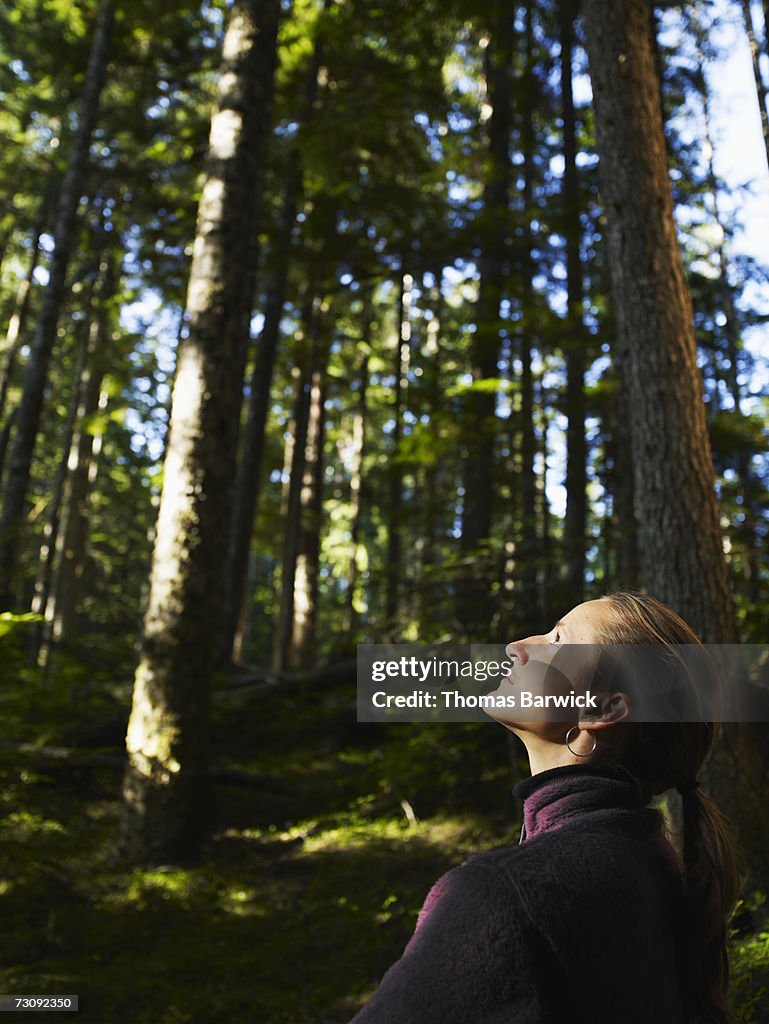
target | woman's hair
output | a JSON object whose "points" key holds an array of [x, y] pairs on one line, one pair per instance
{"points": [[664, 755]]}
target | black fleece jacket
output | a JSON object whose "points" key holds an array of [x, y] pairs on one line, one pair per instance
{"points": [[579, 924]]}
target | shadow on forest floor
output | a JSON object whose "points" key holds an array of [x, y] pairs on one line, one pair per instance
{"points": [[305, 894]]}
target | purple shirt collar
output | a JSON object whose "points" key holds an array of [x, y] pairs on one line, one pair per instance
{"points": [[559, 796]]}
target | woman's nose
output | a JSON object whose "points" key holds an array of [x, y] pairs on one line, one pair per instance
{"points": [[517, 649]]}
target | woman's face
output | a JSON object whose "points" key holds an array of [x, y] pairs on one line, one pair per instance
{"points": [[540, 668]]}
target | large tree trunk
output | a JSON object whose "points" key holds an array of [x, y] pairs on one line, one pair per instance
{"points": [[166, 810], [624, 519], [474, 586], [680, 534], [575, 524], [28, 419], [681, 552]]}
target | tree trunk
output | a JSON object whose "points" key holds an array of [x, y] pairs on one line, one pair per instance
{"points": [[14, 336], [57, 595], [231, 643], [575, 524], [296, 450], [358, 446], [301, 651], [529, 611], [70, 559], [480, 405], [681, 551], [431, 594], [36, 375], [680, 535], [758, 78], [624, 519], [166, 809], [92, 331], [395, 469]]}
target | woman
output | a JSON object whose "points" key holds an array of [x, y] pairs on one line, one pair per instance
{"points": [[593, 917]]}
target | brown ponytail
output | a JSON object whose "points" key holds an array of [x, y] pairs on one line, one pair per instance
{"points": [[667, 755], [711, 888]]}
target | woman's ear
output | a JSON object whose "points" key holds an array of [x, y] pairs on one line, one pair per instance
{"points": [[612, 708]]}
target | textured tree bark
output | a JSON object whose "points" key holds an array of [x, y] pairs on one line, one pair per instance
{"points": [[575, 522], [480, 405], [36, 375], [165, 791], [681, 549], [624, 515], [680, 534]]}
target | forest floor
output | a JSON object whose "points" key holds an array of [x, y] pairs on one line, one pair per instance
{"points": [[307, 890]]}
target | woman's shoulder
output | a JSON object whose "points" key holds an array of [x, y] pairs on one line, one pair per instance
{"points": [[624, 854]]}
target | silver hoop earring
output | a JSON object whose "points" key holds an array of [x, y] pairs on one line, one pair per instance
{"points": [[568, 743]]}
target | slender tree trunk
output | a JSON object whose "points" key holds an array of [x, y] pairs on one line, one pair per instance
{"points": [[36, 376], [92, 331], [761, 90], [14, 336], [231, 642], [292, 502], [301, 652], [395, 469], [356, 474], [62, 608], [682, 558], [5, 437], [480, 404], [548, 601], [65, 539], [248, 479], [166, 807], [751, 509], [575, 524], [529, 609], [431, 594]]}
